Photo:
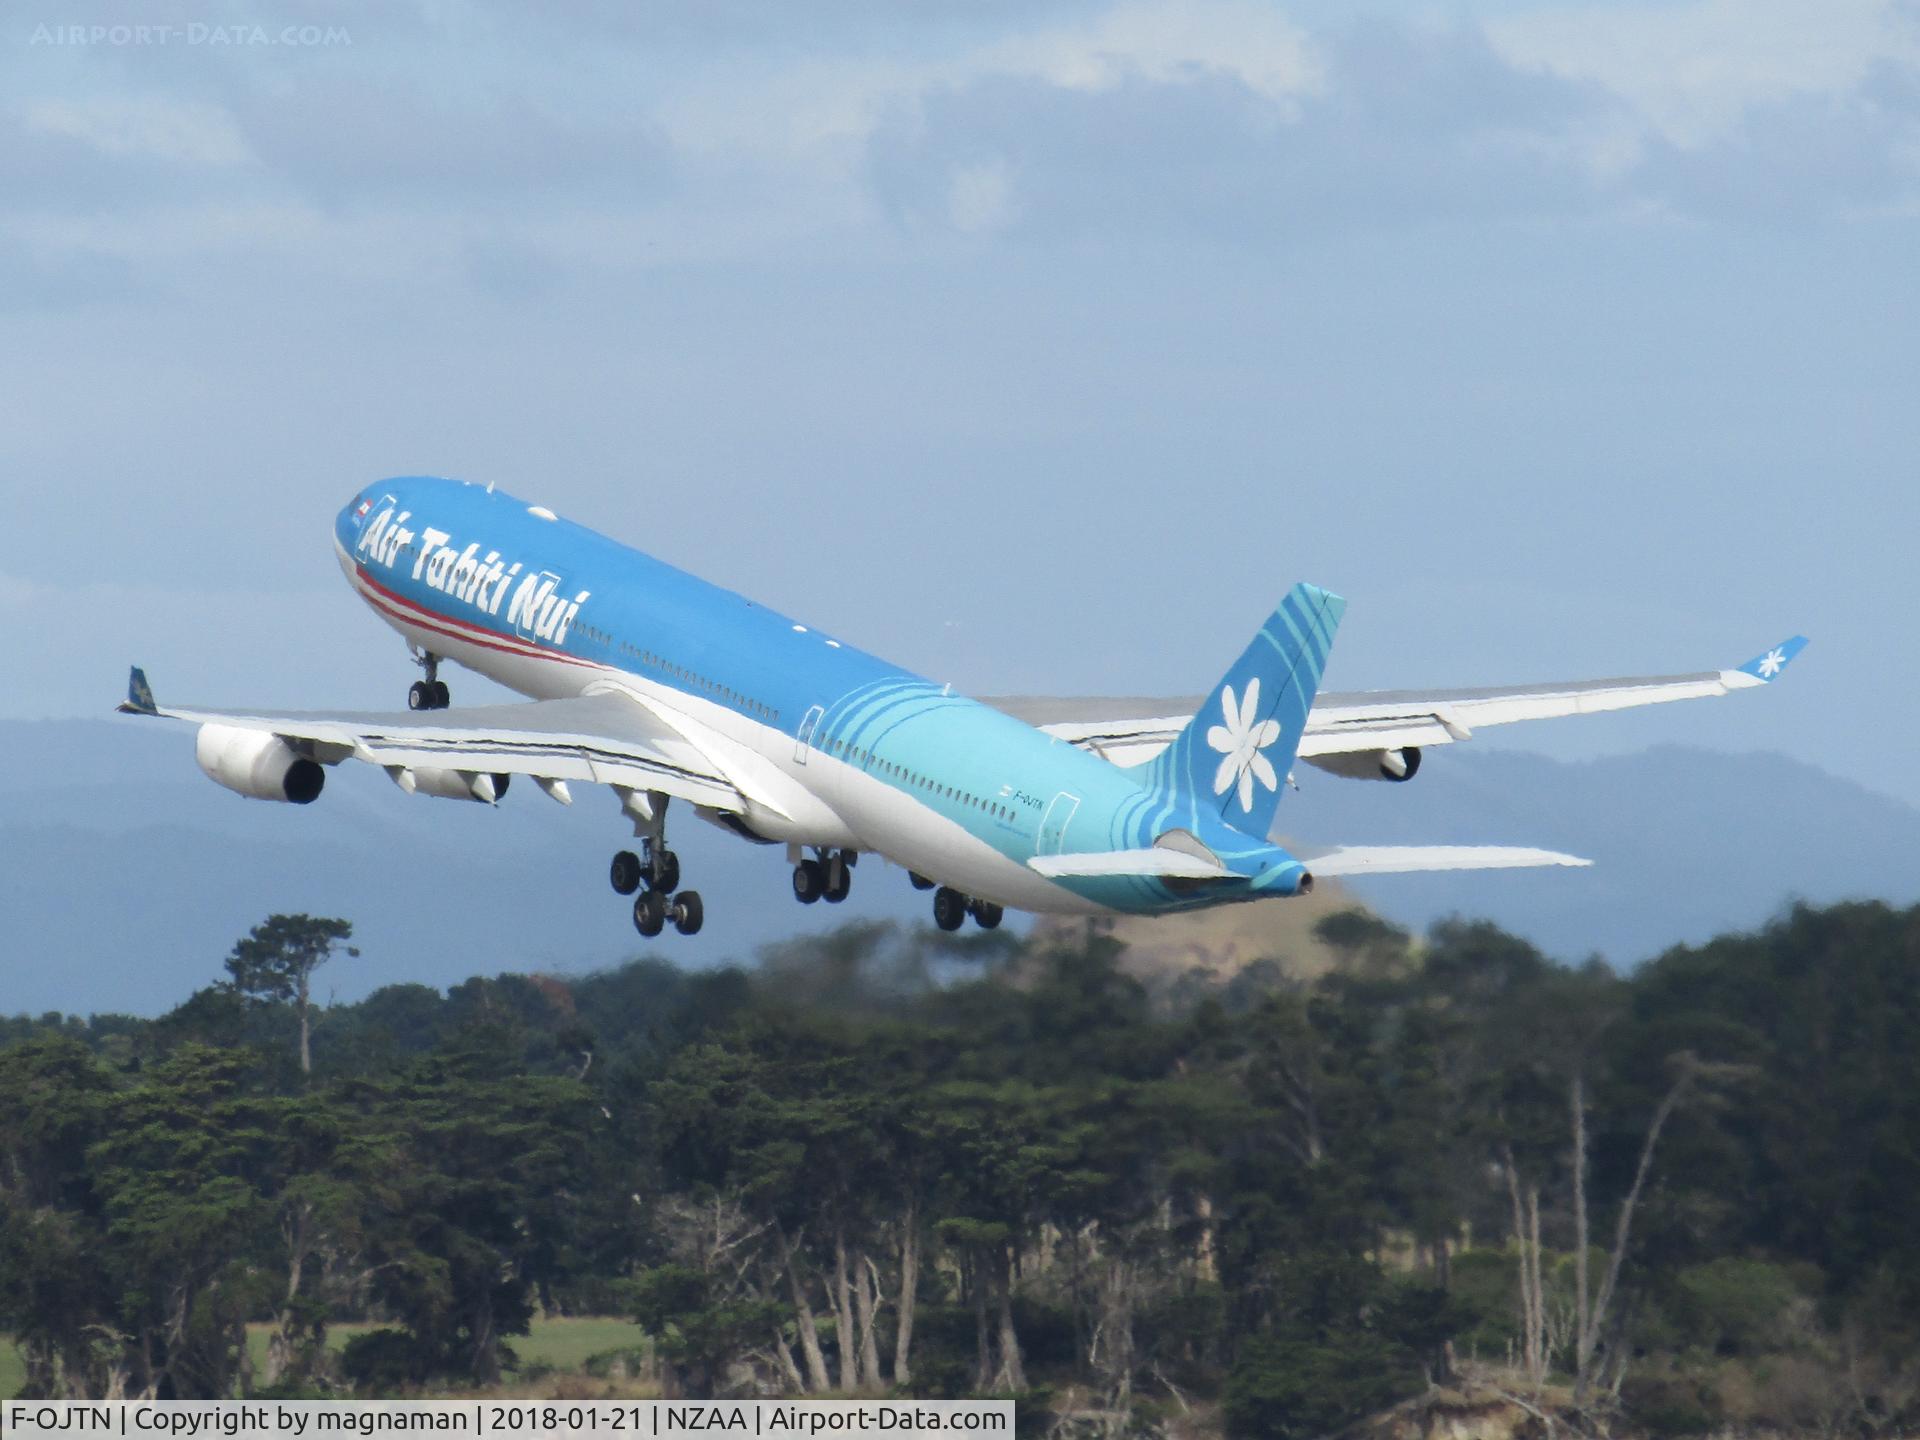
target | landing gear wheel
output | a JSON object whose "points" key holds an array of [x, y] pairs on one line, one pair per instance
{"points": [[442, 697], [949, 908], [688, 913], [839, 880], [664, 871], [809, 882], [626, 873], [420, 696], [650, 913], [920, 882], [986, 914]]}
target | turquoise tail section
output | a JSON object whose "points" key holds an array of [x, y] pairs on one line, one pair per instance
{"points": [[1232, 759]]}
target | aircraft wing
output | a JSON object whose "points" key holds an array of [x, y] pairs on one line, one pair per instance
{"points": [[1132, 731], [607, 739]]}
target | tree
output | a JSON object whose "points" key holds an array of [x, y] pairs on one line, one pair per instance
{"points": [[275, 964], [178, 1176], [702, 1307], [56, 1298], [481, 1187]]}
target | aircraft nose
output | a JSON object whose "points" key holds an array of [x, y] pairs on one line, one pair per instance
{"points": [[352, 519]]}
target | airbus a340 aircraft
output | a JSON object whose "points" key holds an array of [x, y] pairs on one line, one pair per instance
{"points": [[663, 687]]}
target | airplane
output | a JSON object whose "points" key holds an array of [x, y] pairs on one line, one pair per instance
{"points": [[665, 688]]}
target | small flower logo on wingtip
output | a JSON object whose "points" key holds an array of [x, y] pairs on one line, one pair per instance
{"points": [[1240, 741]]}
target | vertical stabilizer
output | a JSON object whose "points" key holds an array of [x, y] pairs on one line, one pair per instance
{"points": [[1235, 753]]}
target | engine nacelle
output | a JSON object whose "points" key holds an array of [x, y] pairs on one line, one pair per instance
{"points": [[258, 764], [1395, 765], [450, 784]]}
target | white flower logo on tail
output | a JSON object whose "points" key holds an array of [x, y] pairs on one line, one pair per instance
{"points": [[1240, 742], [1772, 663]]}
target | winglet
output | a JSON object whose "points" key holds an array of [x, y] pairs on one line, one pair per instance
{"points": [[1762, 669], [139, 699]]}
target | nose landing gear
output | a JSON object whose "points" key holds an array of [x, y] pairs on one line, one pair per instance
{"points": [[430, 693]]}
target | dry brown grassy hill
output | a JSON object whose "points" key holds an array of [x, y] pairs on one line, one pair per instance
{"points": [[1211, 947]]}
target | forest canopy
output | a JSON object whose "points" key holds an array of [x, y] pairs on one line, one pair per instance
{"points": [[885, 1160]]}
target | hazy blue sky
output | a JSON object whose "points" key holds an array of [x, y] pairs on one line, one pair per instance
{"points": [[1038, 346]]}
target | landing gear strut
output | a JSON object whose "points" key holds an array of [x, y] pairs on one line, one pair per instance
{"points": [[655, 876], [828, 876], [430, 693]]}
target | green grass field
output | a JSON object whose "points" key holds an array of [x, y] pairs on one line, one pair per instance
{"points": [[564, 1344]]}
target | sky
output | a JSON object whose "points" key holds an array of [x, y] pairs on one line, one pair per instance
{"points": [[1037, 346]]}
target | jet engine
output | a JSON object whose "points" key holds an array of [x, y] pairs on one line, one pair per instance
{"points": [[258, 764], [1395, 765]]}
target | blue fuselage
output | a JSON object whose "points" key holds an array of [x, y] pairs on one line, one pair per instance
{"points": [[889, 761]]}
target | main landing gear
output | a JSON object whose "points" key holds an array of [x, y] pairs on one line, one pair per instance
{"points": [[828, 876], [655, 876], [951, 909], [430, 693]]}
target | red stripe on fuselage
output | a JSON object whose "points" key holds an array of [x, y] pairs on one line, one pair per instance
{"points": [[413, 613]]}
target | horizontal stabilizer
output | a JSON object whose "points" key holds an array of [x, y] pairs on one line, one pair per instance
{"points": [[1405, 859], [1156, 862]]}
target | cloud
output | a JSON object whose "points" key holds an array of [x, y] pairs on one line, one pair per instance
{"points": [[1694, 71], [1684, 111], [1165, 41], [176, 132], [380, 143], [1800, 158], [1402, 129], [508, 153]]}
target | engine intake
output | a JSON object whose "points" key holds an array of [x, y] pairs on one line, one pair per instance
{"points": [[258, 764], [1395, 765]]}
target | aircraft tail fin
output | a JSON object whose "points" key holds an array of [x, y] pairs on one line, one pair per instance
{"points": [[139, 699], [1234, 755]]}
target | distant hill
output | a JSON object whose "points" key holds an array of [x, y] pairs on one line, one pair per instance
{"points": [[1212, 946], [125, 875], [1685, 843]]}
